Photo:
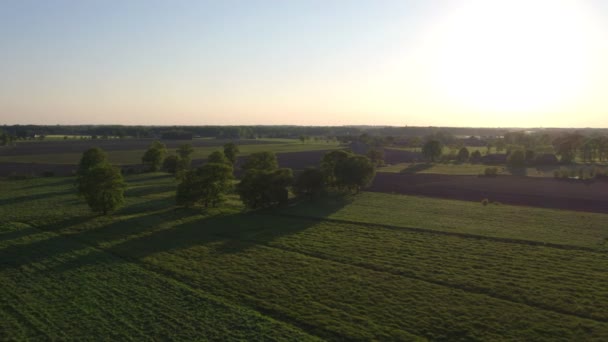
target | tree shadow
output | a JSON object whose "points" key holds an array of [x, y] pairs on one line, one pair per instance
{"points": [[63, 181], [175, 229], [27, 198], [149, 190], [415, 168]]}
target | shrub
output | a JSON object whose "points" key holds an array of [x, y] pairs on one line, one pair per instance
{"points": [[490, 171], [485, 202]]}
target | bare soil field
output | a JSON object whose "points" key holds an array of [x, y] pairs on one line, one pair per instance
{"points": [[538, 192]]}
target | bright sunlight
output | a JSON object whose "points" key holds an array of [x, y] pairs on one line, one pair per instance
{"points": [[513, 56]]}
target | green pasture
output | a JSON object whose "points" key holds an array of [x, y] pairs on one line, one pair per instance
{"points": [[366, 267]]}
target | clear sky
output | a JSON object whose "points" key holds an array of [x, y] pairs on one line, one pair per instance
{"points": [[328, 62]]}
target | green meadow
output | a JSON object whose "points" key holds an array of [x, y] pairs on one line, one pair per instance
{"points": [[360, 267]]}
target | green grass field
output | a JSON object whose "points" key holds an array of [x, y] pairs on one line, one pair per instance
{"points": [[134, 156], [366, 267]]}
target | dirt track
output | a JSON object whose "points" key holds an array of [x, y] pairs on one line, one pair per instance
{"points": [[538, 192]]}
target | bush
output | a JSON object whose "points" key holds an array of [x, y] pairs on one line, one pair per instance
{"points": [[490, 171], [485, 202]]}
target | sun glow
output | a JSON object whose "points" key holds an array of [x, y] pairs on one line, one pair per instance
{"points": [[513, 56]]}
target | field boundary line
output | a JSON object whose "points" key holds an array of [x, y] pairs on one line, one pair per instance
{"points": [[441, 232], [469, 289]]}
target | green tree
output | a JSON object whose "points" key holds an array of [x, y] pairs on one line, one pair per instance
{"points": [[463, 155], [432, 150], [91, 158], [261, 161], [264, 188], [218, 157], [185, 151], [171, 163], [206, 185], [154, 155], [354, 173], [517, 158], [103, 188], [309, 183], [328, 165], [230, 151], [376, 156]]}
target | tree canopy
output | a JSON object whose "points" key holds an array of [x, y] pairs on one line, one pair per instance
{"points": [[261, 161], [432, 150], [102, 186], [264, 188], [154, 156], [354, 173], [91, 158], [206, 185], [230, 151]]}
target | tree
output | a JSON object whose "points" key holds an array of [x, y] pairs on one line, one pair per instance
{"points": [[102, 187], [432, 150], [171, 164], [517, 158], [230, 151], [261, 161], [185, 151], [567, 145], [354, 173], [376, 156], [91, 158], [218, 157], [206, 185], [264, 188], [328, 165], [463, 155], [154, 155], [309, 183], [475, 156]]}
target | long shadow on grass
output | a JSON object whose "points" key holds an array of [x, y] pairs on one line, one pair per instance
{"points": [[176, 229], [149, 190], [35, 197]]}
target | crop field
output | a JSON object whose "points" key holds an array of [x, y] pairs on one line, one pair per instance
{"points": [[369, 266]]}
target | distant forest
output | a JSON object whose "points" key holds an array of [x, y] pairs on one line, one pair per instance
{"points": [[20, 132]]}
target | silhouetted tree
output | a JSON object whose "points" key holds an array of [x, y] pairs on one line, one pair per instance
{"points": [[328, 165], [261, 161], [354, 173], [463, 155], [309, 183], [91, 158], [376, 156], [154, 155], [230, 151], [432, 150], [171, 163], [264, 188], [206, 185], [102, 187]]}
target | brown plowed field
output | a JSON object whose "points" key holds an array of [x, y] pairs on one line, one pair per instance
{"points": [[538, 192]]}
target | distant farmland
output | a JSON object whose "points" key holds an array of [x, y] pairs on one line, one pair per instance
{"points": [[371, 266]]}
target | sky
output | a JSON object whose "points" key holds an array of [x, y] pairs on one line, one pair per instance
{"points": [[481, 63]]}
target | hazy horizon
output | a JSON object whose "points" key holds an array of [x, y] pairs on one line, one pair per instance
{"points": [[517, 64]]}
